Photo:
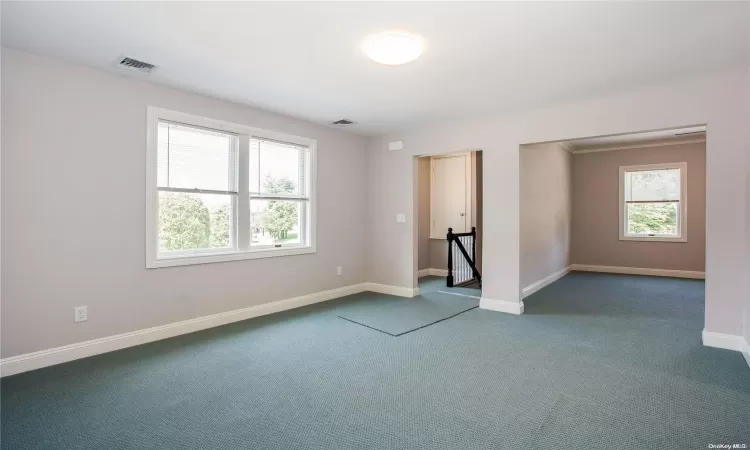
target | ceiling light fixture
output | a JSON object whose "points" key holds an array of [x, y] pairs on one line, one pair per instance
{"points": [[393, 48]]}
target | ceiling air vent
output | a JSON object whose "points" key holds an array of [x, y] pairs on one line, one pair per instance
{"points": [[134, 64], [343, 122], [689, 133]]}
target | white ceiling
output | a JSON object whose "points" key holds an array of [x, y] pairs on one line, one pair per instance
{"points": [[686, 133], [304, 59]]}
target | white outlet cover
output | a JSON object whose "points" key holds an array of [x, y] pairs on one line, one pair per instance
{"points": [[80, 314], [339, 270]]}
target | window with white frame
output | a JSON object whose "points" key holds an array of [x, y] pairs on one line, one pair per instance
{"points": [[218, 191], [653, 202]]}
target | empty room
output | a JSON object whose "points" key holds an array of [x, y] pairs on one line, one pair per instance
{"points": [[374, 225]]}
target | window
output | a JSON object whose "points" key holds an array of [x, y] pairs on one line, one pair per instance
{"points": [[653, 202], [218, 191]]}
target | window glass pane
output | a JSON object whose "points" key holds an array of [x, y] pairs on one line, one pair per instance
{"points": [[193, 158], [652, 218], [650, 185], [274, 222], [195, 221], [277, 168]]}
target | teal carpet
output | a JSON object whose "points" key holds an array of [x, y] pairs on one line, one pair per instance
{"points": [[397, 315], [596, 362]]}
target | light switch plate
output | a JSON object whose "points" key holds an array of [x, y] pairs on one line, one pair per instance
{"points": [[401, 218]]}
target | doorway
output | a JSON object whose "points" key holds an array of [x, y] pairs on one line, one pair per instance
{"points": [[449, 197], [631, 205]]}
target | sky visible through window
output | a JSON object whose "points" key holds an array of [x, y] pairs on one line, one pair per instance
{"points": [[192, 158]]}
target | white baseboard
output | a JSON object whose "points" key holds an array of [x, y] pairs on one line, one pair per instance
{"points": [[725, 341], [501, 306], [432, 272], [640, 271], [58, 355], [546, 281], [391, 290]]}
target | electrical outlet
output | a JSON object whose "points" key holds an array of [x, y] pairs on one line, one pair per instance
{"points": [[80, 314], [339, 270]]}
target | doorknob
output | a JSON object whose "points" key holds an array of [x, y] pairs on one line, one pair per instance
{"points": [[463, 214]]}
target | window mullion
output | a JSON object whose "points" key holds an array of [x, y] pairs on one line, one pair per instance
{"points": [[243, 199]]}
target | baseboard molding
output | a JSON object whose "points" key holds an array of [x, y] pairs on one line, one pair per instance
{"points": [[501, 306], [391, 290], [546, 281], [58, 355], [432, 272], [725, 341], [640, 271]]}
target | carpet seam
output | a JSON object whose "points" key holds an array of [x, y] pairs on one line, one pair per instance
{"points": [[409, 331]]}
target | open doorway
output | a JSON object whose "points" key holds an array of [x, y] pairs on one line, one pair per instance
{"points": [[449, 216], [629, 205]]}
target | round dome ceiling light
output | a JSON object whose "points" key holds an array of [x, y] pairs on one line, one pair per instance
{"points": [[393, 48]]}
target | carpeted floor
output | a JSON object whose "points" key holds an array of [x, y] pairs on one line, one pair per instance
{"points": [[397, 316], [437, 284], [596, 362]]}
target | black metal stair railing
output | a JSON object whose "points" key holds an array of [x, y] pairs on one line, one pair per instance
{"points": [[462, 269]]}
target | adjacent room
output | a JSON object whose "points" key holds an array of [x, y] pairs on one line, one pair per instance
{"points": [[374, 225], [614, 204], [627, 215]]}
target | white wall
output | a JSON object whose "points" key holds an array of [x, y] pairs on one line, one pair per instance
{"points": [[73, 175], [747, 277], [545, 211], [716, 101]]}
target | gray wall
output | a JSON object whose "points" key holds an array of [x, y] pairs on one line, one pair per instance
{"points": [[596, 238], [546, 208], [423, 200], [73, 175]]}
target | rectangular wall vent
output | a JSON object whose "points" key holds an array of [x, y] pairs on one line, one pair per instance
{"points": [[134, 64], [343, 122]]}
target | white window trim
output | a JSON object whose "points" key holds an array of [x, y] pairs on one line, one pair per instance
{"points": [[681, 217], [469, 185], [153, 259]]}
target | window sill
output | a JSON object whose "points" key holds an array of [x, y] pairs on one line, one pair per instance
{"points": [[226, 257], [654, 239]]}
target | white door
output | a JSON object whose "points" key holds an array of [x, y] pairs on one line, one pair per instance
{"points": [[450, 202]]}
